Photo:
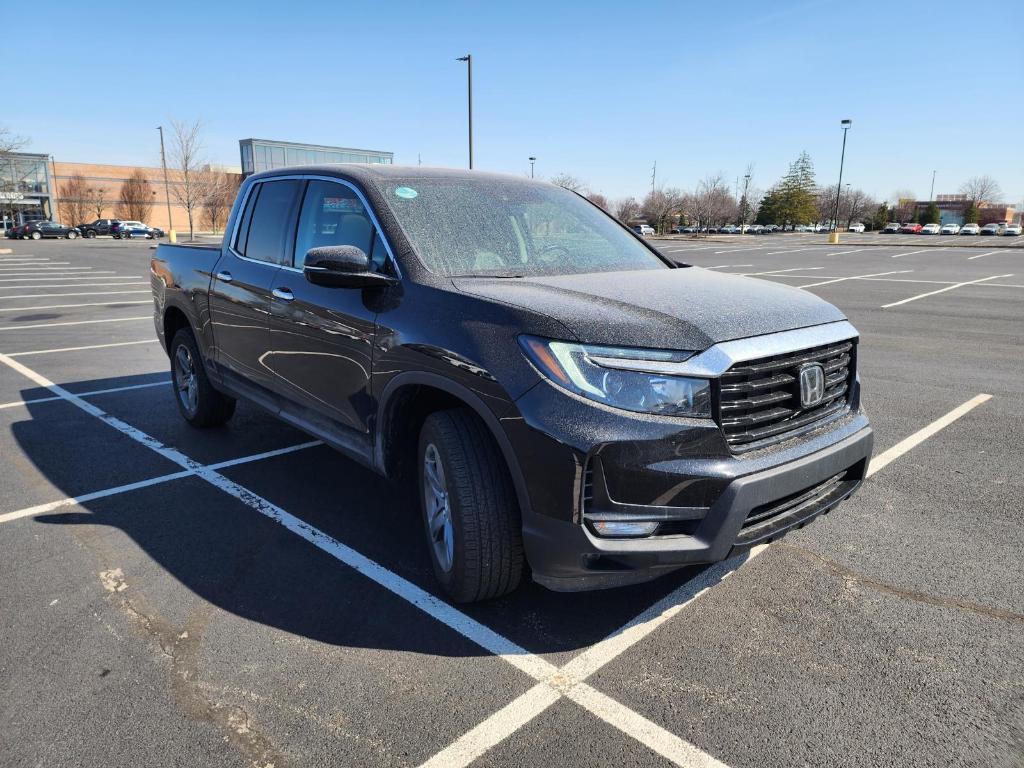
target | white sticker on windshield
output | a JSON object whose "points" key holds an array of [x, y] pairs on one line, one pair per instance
{"points": [[406, 193]]}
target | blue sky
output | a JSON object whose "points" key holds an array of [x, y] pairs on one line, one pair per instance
{"points": [[600, 90]]}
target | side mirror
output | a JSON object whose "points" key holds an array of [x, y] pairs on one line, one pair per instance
{"points": [[342, 266]]}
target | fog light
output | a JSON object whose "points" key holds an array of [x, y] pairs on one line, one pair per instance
{"points": [[624, 530]]}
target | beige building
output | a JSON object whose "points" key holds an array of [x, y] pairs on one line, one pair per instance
{"points": [[102, 186]]}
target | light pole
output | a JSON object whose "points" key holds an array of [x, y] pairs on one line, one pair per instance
{"points": [[746, 202], [834, 238], [931, 196], [468, 58], [171, 235], [532, 161]]}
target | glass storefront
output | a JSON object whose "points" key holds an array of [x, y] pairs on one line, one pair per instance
{"points": [[260, 155], [24, 188]]}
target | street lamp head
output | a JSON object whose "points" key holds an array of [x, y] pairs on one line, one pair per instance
{"points": [[533, 159], [846, 123], [463, 58]]}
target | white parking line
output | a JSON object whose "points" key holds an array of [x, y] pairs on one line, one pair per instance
{"points": [[17, 403], [778, 271], [980, 255], [885, 458], [69, 306], [108, 274], [793, 250], [854, 277], [943, 290], [726, 266], [843, 253], [71, 501], [51, 265], [747, 248], [908, 253], [72, 285], [78, 349], [76, 322], [55, 295]]}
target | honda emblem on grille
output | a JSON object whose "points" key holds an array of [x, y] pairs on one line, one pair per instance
{"points": [[812, 385]]}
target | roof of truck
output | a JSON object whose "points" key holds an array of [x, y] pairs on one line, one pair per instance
{"points": [[380, 172]]}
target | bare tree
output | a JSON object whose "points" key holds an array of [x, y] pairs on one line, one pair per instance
{"points": [[74, 202], [855, 205], [903, 205], [660, 206], [192, 183], [711, 203], [981, 189], [135, 201], [626, 209], [10, 142], [96, 200], [222, 188], [599, 200], [570, 182]]}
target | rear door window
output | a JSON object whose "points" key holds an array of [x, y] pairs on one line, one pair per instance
{"points": [[273, 222]]}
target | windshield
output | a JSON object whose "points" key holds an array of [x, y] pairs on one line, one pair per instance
{"points": [[508, 228]]}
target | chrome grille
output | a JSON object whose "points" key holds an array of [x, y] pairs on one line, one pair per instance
{"points": [[758, 401]]}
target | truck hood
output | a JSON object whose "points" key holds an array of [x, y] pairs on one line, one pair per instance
{"points": [[687, 308]]}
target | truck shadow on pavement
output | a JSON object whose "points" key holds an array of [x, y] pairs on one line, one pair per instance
{"points": [[243, 563]]}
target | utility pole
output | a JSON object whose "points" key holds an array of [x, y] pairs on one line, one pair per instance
{"points": [[468, 58], [532, 161], [931, 197], [172, 236], [654, 175], [746, 202], [55, 213]]}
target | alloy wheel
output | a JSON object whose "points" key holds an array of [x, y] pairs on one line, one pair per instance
{"points": [[185, 382], [437, 506]]}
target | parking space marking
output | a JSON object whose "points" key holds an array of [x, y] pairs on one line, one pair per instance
{"points": [[908, 253], [777, 271], [108, 274], [843, 253], [886, 457], [980, 255], [76, 322], [747, 248], [73, 285], [109, 390], [9, 267], [78, 349], [69, 306], [55, 295], [727, 266], [943, 290], [71, 501], [537, 667], [792, 250], [855, 277]]}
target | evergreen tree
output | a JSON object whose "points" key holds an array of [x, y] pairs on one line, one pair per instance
{"points": [[881, 217], [971, 214], [797, 201], [768, 211], [929, 214]]}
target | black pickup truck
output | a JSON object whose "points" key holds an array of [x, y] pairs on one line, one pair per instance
{"points": [[557, 391]]}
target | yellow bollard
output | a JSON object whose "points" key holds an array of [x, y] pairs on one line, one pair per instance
{"points": [[833, 238], [172, 236]]}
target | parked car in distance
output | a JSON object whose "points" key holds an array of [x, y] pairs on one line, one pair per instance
{"points": [[646, 230], [856, 227], [13, 232], [970, 229], [97, 227], [949, 229], [991, 229], [891, 228], [910, 229], [729, 229], [929, 229], [756, 229], [598, 416], [37, 230], [125, 230], [1012, 230]]}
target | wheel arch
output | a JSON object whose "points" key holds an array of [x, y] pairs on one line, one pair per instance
{"points": [[409, 398]]}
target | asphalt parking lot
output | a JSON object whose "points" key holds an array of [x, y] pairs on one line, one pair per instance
{"points": [[245, 596]]}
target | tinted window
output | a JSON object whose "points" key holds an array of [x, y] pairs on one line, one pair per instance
{"points": [[332, 214], [272, 221], [243, 225]]}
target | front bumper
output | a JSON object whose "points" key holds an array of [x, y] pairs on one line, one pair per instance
{"points": [[715, 503]]}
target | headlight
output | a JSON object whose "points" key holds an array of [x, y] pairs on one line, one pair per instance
{"points": [[638, 380]]}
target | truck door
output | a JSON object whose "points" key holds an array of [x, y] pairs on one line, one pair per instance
{"points": [[243, 278], [321, 338]]}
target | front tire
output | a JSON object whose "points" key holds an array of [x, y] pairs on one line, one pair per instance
{"points": [[198, 402], [90, 234], [470, 513], [37, 235], [72, 235]]}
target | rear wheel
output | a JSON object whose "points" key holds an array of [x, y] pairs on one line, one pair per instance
{"points": [[470, 513], [72, 235], [37, 235], [198, 402], [90, 233]]}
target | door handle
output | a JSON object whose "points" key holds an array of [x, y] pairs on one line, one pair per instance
{"points": [[224, 276], [283, 294]]}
